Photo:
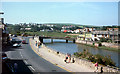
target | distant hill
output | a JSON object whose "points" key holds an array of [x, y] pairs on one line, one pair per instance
{"points": [[61, 23], [79, 25]]}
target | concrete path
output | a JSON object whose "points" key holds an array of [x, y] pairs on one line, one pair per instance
{"points": [[58, 61]]}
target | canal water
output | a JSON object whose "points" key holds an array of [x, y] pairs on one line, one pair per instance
{"points": [[61, 46]]}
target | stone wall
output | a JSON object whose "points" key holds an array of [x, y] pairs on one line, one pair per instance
{"points": [[113, 45], [85, 42], [79, 61]]}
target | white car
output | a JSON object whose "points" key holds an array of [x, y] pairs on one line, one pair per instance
{"points": [[16, 45]]}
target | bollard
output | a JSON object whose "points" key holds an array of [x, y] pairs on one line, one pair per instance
{"points": [[57, 52]]}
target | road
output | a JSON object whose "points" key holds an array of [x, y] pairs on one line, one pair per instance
{"points": [[29, 61]]}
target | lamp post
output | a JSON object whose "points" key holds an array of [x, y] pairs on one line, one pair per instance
{"points": [[1, 18]]}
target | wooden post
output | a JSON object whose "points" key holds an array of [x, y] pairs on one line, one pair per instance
{"points": [[74, 41], [41, 39], [51, 40], [66, 41]]}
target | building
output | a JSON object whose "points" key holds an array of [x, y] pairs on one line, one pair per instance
{"points": [[88, 29], [5, 33], [113, 35], [85, 36], [112, 29], [77, 30]]}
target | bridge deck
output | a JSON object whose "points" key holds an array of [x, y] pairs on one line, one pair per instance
{"points": [[57, 38]]}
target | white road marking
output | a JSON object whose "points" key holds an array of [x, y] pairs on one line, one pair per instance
{"points": [[21, 54], [32, 68], [25, 61]]}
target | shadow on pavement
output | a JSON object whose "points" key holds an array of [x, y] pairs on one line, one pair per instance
{"points": [[21, 67], [26, 43], [9, 48]]}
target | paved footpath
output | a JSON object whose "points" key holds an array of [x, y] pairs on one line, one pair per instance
{"points": [[58, 61]]}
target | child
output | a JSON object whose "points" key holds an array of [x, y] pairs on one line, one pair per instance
{"points": [[66, 58], [96, 67]]}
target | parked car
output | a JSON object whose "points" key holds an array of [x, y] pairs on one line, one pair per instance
{"points": [[4, 57], [16, 45], [15, 35], [67, 37], [24, 42]]}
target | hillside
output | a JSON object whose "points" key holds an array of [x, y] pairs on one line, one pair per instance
{"points": [[78, 25]]}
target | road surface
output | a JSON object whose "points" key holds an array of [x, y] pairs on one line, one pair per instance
{"points": [[29, 61]]}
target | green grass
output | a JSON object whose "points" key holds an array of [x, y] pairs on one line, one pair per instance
{"points": [[108, 48], [51, 34], [103, 47]]}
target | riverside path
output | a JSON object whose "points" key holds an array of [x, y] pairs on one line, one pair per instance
{"points": [[71, 67]]}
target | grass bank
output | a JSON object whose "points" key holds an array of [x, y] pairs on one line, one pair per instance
{"points": [[51, 34], [108, 48], [103, 47]]}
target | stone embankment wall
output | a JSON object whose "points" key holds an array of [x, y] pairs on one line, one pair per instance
{"points": [[112, 45], [77, 60]]}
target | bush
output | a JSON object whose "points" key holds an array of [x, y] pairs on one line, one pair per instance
{"points": [[105, 60], [93, 43], [98, 58], [105, 40]]}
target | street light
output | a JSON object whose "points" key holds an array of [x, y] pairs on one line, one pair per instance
{"points": [[1, 12]]}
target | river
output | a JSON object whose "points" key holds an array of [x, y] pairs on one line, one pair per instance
{"points": [[61, 46]]}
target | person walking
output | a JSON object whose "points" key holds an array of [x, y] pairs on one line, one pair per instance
{"points": [[39, 43], [15, 67], [69, 56], [96, 67], [36, 43], [33, 37], [66, 58]]}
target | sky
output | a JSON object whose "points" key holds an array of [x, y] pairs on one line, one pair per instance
{"points": [[85, 13]]}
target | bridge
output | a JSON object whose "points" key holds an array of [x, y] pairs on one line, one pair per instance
{"points": [[63, 38]]}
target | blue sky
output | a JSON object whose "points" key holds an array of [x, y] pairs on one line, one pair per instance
{"points": [[86, 13]]}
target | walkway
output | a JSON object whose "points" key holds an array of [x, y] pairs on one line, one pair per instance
{"points": [[58, 61]]}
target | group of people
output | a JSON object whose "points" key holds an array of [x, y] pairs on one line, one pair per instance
{"points": [[38, 44], [68, 58]]}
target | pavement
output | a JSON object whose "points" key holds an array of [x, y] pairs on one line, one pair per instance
{"points": [[56, 60]]}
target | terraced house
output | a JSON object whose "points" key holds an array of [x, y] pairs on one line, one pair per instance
{"points": [[113, 35]]}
